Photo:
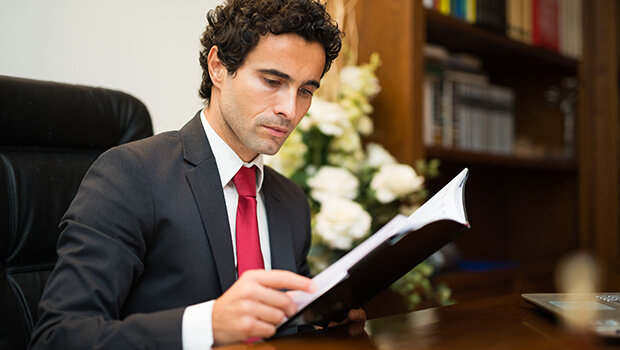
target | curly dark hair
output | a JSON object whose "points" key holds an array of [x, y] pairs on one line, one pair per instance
{"points": [[236, 26]]}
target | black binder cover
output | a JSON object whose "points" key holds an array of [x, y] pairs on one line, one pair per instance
{"points": [[377, 271]]}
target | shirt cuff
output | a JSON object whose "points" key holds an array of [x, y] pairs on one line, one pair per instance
{"points": [[196, 326]]}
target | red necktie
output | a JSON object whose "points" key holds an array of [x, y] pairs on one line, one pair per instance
{"points": [[249, 255]]}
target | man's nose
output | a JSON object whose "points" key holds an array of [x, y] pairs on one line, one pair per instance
{"points": [[286, 103]]}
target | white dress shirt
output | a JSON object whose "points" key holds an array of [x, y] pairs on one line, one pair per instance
{"points": [[197, 330]]}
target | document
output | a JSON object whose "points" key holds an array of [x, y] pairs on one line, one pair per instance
{"points": [[384, 257]]}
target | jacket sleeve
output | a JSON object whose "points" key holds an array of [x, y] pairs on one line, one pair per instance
{"points": [[105, 234]]}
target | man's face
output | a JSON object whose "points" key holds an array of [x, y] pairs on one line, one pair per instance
{"points": [[256, 109]]}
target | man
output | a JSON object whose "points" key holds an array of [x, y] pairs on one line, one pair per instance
{"points": [[149, 256]]}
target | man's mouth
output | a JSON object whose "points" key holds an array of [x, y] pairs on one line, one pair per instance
{"points": [[276, 130]]}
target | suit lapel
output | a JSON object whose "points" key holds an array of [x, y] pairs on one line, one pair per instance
{"points": [[280, 235], [205, 183]]}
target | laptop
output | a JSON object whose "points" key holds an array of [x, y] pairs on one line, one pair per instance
{"points": [[595, 312]]}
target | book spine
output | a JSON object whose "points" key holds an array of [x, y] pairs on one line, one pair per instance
{"points": [[527, 20], [511, 18], [437, 115], [484, 118], [491, 14], [433, 102], [564, 18], [499, 15], [501, 120], [545, 24], [470, 11], [432, 109], [481, 15], [447, 113], [578, 29], [570, 36], [452, 104], [536, 30], [553, 25], [444, 7]]}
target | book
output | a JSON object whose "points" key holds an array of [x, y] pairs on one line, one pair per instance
{"points": [[443, 6], [545, 24], [491, 14], [570, 28], [577, 29], [458, 8], [432, 109], [384, 257], [514, 19], [470, 11], [484, 118], [451, 103], [526, 26]]}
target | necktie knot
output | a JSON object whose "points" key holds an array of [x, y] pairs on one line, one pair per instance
{"points": [[245, 182]]}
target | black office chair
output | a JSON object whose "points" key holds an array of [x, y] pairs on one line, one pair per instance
{"points": [[50, 134]]}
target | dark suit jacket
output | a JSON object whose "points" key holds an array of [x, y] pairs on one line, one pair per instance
{"points": [[148, 235]]}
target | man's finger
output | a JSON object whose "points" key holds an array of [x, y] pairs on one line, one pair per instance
{"points": [[273, 298], [269, 314], [281, 279], [357, 315]]}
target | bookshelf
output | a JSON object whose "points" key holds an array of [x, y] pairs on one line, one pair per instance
{"points": [[497, 49], [529, 210]]}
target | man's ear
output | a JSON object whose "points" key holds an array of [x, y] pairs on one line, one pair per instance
{"points": [[217, 71]]}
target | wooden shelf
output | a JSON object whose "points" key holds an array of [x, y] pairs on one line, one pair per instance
{"points": [[499, 160], [496, 50]]}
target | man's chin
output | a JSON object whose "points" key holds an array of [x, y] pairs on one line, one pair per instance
{"points": [[271, 153], [270, 146], [270, 150]]}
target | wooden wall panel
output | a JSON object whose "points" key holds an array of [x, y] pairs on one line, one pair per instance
{"points": [[598, 134], [395, 29]]}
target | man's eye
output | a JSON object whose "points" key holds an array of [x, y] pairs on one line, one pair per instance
{"points": [[305, 92], [271, 82]]}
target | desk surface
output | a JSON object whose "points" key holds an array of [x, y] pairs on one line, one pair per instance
{"points": [[505, 322]]}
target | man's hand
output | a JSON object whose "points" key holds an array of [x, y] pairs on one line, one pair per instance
{"points": [[354, 315], [255, 304], [355, 321]]}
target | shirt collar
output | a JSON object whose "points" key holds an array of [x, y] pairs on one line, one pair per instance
{"points": [[228, 162]]}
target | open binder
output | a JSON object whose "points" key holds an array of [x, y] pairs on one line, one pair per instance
{"points": [[383, 258]]}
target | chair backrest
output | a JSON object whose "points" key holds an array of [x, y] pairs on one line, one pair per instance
{"points": [[50, 133]]}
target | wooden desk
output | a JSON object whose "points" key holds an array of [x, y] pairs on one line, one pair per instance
{"points": [[505, 322]]}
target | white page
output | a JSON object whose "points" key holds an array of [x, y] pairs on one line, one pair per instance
{"points": [[445, 204]]}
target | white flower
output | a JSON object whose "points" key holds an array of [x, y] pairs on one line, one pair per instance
{"points": [[305, 124], [330, 182], [351, 161], [360, 79], [378, 156], [349, 141], [346, 151], [341, 222], [352, 78], [395, 181], [329, 117], [290, 158], [365, 125]]}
